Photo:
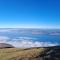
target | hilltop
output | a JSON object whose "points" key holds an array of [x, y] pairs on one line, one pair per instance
{"points": [[5, 45], [47, 53]]}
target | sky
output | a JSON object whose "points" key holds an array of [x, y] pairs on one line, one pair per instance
{"points": [[29, 13]]}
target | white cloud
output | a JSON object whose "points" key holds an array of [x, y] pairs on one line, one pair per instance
{"points": [[25, 43], [8, 29], [4, 30], [4, 39], [29, 43]]}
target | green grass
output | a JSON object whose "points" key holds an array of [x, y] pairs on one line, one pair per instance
{"points": [[19, 54]]}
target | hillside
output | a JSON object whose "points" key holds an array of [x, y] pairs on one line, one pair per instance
{"points": [[5, 45], [47, 53]]}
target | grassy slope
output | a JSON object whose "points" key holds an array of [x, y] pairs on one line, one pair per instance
{"points": [[20, 54]]}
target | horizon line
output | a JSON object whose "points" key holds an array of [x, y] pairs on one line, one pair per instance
{"points": [[25, 28]]}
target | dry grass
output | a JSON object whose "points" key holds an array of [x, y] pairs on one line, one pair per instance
{"points": [[19, 54]]}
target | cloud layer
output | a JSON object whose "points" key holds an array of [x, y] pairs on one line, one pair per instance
{"points": [[27, 44], [21, 43]]}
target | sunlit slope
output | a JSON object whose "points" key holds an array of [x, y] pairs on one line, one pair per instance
{"points": [[20, 54], [46, 53]]}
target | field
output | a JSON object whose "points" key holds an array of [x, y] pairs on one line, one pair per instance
{"points": [[20, 54]]}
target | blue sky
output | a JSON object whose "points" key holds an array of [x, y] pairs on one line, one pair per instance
{"points": [[29, 13]]}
